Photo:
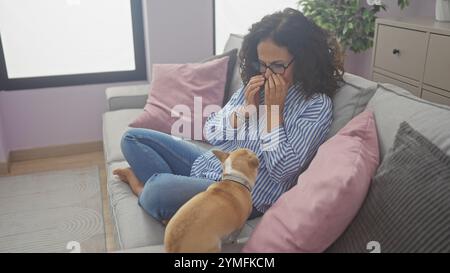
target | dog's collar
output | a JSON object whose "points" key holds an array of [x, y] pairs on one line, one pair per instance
{"points": [[238, 179]]}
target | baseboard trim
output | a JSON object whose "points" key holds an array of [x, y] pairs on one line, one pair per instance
{"points": [[56, 151], [4, 166]]}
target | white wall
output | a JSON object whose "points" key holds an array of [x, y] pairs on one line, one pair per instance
{"points": [[234, 16], [179, 30]]}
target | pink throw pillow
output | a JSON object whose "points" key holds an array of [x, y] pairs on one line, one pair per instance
{"points": [[172, 92], [314, 213]]}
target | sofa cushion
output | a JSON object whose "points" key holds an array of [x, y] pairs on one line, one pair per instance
{"points": [[314, 213], [350, 100], [232, 58], [393, 105], [175, 89], [226, 248], [134, 227], [407, 207], [115, 123], [234, 42]]}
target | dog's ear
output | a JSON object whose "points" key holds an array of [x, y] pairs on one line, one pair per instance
{"points": [[254, 162], [222, 156]]}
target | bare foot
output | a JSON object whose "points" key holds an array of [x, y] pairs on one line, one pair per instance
{"points": [[123, 174], [127, 175]]}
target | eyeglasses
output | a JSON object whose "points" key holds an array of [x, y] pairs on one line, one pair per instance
{"points": [[275, 68]]}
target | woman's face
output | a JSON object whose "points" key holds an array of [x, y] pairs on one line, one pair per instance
{"points": [[271, 54]]}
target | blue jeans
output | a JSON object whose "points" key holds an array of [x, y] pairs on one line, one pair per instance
{"points": [[163, 164]]}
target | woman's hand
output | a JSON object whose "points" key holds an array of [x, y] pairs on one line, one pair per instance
{"points": [[275, 92], [251, 91], [251, 97]]}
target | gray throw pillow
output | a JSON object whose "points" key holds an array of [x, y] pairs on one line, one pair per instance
{"points": [[232, 54], [407, 208], [350, 100], [392, 105]]}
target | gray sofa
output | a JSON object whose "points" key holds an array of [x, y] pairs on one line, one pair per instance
{"points": [[135, 231]]}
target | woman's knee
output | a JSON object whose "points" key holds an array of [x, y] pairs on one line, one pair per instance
{"points": [[136, 135], [131, 135], [130, 138]]}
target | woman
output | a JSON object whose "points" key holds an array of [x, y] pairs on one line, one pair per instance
{"points": [[289, 67]]}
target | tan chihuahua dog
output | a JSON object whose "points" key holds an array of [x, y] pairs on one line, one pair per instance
{"points": [[208, 217]]}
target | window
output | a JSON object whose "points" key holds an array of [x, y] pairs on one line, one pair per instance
{"points": [[49, 43], [233, 16]]}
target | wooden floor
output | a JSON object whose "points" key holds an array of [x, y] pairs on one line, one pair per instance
{"points": [[73, 162]]}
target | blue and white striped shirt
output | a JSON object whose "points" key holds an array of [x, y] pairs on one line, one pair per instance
{"points": [[283, 153]]}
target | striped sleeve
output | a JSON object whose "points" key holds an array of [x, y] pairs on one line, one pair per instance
{"points": [[288, 150], [217, 127]]}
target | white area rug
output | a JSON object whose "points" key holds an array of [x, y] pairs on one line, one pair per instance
{"points": [[44, 212]]}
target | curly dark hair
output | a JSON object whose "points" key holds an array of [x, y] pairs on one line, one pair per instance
{"points": [[319, 64]]}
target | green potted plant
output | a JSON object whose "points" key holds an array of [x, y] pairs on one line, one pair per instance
{"points": [[352, 23]]}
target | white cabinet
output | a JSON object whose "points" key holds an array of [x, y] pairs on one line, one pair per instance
{"points": [[414, 54]]}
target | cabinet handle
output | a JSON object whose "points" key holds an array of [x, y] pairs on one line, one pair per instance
{"points": [[396, 51]]}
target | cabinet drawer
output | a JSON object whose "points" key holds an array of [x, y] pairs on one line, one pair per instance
{"points": [[430, 96], [401, 51], [384, 79], [437, 68]]}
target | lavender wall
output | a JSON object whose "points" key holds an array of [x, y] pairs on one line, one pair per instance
{"points": [[360, 63], [3, 148], [52, 116], [179, 31]]}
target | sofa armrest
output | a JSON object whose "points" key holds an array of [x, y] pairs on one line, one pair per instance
{"points": [[130, 96]]}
